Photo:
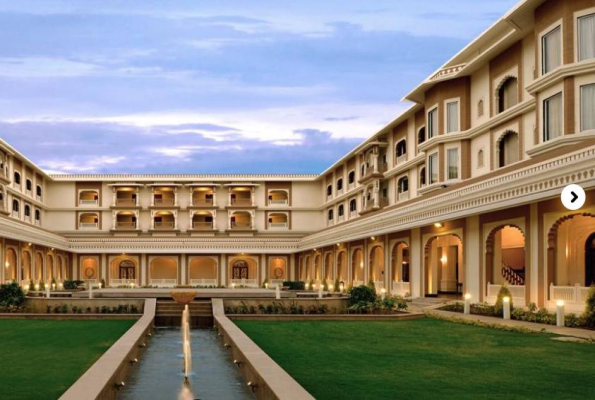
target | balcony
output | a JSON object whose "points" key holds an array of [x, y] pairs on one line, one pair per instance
{"points": [[353, 214], [164, 226], [278, 225], [340, 218], [202, 201], [278, 198], [351, 186], [164, 202], [126, 202], [202, 225], [88, 226], [15, 214], [403, 196], [402, 159], [240, 226], [372, 172], [124, 225], [241, 202]]}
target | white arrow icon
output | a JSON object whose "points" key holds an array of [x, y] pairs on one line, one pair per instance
{"points": [[573, 197]]}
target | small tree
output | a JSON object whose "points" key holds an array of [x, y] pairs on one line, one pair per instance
{"points": [[372, 285], [102, 283], [499, 306], [589, 314], [265, 283], [31, 285], [362, 294], [311, 284], [324, 285], [337, 285], [11, 294]]}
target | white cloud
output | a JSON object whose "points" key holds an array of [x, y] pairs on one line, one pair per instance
{"points": [[84, 165]]}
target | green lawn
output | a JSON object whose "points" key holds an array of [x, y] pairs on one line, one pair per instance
{"points": [[424, 358], [41, 359]]}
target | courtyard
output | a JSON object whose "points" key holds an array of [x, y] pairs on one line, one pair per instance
{"points": [[424, 358], [40, 359]]}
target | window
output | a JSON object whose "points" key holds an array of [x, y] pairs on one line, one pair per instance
{"points": [[508, 94], [15, 206], [351, 177], [586, 37], [452, 159], [552, 117], [27, 211], [551, 50], [452, 117], [432, 123], [403, 185], [329, 190], [17, 178], [422, 177], [363, 171], [433, 168], [29, 185], [421, 135], [353, 205], [340, 184], [480, 108], [38, 191], [480, 159], [341, 210], [37, 215], [508, 149], [331, 215], [401, 148], [587, 107]]}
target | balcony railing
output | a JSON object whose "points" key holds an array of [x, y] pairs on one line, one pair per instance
{"points": [[164, 202], [402, 196], [379, 285], [281, 202], [203, 282], [339, 192], [330, 222], [277, 225], [123, 282], [569, 294], [88, 225], [241, 202], [165, 225], [241, 225], [353, 214], [163, 282], [340, 218], [251, 283], [93, 202], [202, 226], [401, 159], [125, 202], [517, 292], [125, 225], [15, 214], [201, 202]]}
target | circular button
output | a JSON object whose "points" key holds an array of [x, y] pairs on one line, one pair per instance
{"points": [[573, 197]]}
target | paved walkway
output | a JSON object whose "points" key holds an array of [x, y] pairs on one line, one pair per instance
{"points": [[562, 331]]}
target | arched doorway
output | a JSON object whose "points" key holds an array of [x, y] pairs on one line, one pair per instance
{"points": [[308, 268], [243, 272], [400, 269], [377, 266], [317, 268], [11, 265], [26, 274], [443, 266], [59, 267], [505, 263], [124, 271], [163, 272], [328, 267], [590, 261], [49, 267], [357, 267], [203, 271], [342, 267], [38, 267]]}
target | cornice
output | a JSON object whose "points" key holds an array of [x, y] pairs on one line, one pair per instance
{"points": [[17, 230], [188, 178]]}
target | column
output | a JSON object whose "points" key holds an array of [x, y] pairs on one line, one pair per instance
{"points": [[152, 196], [191, 201], [137, 196], [183, 268], [252, 193], [387, 265], [533, 253], [152, 220], [103, 259], [114, 195], [3, 259], [75, 266], [366, 260], [223, 270], [176, 196], [262, 269], [144, 271], [349, 267], [472, 282], [416, 264], [292, 270]]}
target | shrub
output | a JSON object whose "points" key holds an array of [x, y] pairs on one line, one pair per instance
{"points": [[102, 283], [499, 306], [297, 285], [372, 285], [337, 287], [324, 285], [31, 285], [589, 315], [311, 284], [362, 294], [11, 294], [265, 283], [72, 285]]}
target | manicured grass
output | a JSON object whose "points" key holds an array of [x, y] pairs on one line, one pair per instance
{"points": [[424, 358], [41, 359]]}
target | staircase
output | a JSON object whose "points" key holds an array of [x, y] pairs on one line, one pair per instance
{"points": [[512, 276], [169, 313]]}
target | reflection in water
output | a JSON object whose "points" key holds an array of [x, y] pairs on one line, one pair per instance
{"points": [[159, 375]]}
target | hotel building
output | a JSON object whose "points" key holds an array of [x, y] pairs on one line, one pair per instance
{"points": [[459, 194]]}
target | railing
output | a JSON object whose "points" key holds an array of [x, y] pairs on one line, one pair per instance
{"points": [[275, 282], [569, 294], [88, 225], [401, 159], [351, 186], [163, 282], [511, 276], [353, 214], [379, 285], [340, 218], [517, 292], [339, 192], [401, 288], [164, 202], [330, 222], [282, 202], [244, 282], [165, 225], [125, 202], [241, 202], [329, 197], [403, 196], [125, 225], [38, 197], [202, 202], [15, 214], [235, 225], [203, 282], [123, 282], [205, 226], [83, 202], [90, 281], [277, 225]]}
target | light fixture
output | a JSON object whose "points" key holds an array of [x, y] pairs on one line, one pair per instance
{"points": [[506, 299], [361, 264], [444, 259], [373, 237], [560, 303], [438, 225], [7, 264]]}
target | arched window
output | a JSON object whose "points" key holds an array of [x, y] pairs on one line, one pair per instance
{"points": [[480, 108], [39, 191], [401, 148], [29, 185], [17, 178], [351, 177], [363, 170], [508, 149], [341, 210], [353, 205], [422, 177], [27, 211], [329, 190], [37, 215], [480, 159], [340, 184], [331, 214], [508, 94], [403, 185], [16, 206], [421, 135]]}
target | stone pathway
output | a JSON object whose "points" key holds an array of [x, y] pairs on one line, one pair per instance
{"points": [[562, 331], [426, 303]]}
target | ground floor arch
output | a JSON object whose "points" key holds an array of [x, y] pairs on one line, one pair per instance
{"points": [[400, 269], [357, 267], [49, 267], [203, 271], [163, 271], [328, 266], [38, 266], [26, 266], [243, 271], [10, 271], [317, 276], [277, 270], [377, 266], [89, 269], [124, 271], [443, 265], [342, 266]]}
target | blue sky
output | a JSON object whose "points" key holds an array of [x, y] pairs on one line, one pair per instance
{"points": [[191, 86]]}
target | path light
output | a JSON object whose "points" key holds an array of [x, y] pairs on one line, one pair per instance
{"points": [[119, 385], [36, 287], [133, 361], [266, 285], [383, 293], [307, 285], [560, 313], [331, 288], [238, 363], [506, 301], [99, 285], [341, 287], [467, 309], [227, 345], [233, 285], [252, 386], [60, 286]]}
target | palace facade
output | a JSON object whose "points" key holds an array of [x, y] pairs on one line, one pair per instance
{"points": [[459, 194]]}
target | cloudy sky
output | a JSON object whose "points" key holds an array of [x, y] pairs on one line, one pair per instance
{"points": [[192, 86]]}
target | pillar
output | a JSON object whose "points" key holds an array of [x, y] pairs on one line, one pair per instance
{"points": [[472, 258], [3, 258], [183, 268], [292, 270], [532, 261], [415, 263], [223, 270], [103, 259], [387, 265], [144, 273], [262, 269]]}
